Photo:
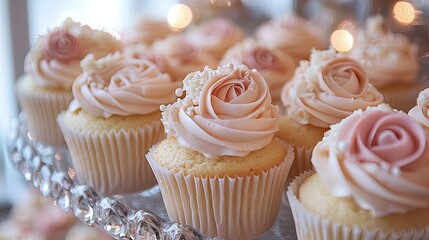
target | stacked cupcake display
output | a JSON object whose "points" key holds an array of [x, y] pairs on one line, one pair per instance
{"points": [[228, 122]]}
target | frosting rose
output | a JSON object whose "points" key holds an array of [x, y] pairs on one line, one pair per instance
{"points": [[389, 58], [54, 60], [215, 36], [379, 158], [420, 113], [327, 89], [274, 66], [176, 56], [62, 46], [146, 31], [292, 35], [227, 111], [117, 85]]}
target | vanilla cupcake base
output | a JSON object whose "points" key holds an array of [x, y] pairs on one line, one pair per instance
{"points": [[303, 138], [312, 226], [42, 107], [233, 206], [109, 154]]}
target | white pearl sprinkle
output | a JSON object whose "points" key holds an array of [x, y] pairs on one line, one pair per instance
{"points": [[179, 92]]}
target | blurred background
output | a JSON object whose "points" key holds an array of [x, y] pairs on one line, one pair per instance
{"points": [[21, 21]]}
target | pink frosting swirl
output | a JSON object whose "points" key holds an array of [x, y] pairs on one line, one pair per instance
{"points": [[389, 58], [54, 60], [420, 113], [146, 31], [62, 46], [227, 111], [215, 36], [328, 89], [379, 158], [274, 66], [176, 56], [116, 85], [292, 35]]}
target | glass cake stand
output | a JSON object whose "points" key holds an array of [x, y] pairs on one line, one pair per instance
{"points": [[134, 216]]}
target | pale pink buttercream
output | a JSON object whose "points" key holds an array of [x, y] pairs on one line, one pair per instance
{"points": [[54, 60], [227, 111], [389, 58], [177, 56], [216, 35], [146, 30], [420, 112], [117, 85], [275, 66], [327, 89], [379, 158], [292, 35]]}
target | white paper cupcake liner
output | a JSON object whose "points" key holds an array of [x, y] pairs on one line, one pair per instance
{"points": [[311, 226], [241, 207], [113, 162], [42, 109], [301, 163]]}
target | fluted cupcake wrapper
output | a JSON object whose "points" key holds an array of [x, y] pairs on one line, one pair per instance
{"points": [[113, 162], [42, 109], [301, 163], [239, 207], [311, 226]]}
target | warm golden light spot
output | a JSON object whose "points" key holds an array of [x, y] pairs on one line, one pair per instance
{"points": [[179, 16], [404, 12], [342, 40]]}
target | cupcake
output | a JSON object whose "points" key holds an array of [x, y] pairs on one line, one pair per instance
{"points": [[113, 120], [323, 91], [50, 68], [215, 36], [177, 56], [36, 217], [392, 63], [292, 35], [276, 67], [371, 182], [220, 170], [420, 112], [146, 31]]}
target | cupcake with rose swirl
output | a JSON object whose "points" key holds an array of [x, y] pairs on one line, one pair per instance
{"points": [[392, 63], [177, 56], [323, 91], [215, 36], [291, 35], [113, 121], [420, 112], [371, 180], [220, 155], [146, 31], [51, 66], [276, 67]]}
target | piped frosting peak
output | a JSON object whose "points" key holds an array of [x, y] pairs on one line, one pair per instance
{"points": [[226, 111]]}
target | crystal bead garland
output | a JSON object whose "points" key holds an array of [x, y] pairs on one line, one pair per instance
{"points": [[39, 165]]}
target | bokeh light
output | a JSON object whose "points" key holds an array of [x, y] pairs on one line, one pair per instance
{"points": [[404, 12], [342, 40], [179, 16]]}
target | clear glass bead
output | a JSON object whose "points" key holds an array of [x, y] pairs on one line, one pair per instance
{"points": [[112, 217], [83, 203], [144, 225], [180, 232], [37, 166], [45, 181], [60, 187]]}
